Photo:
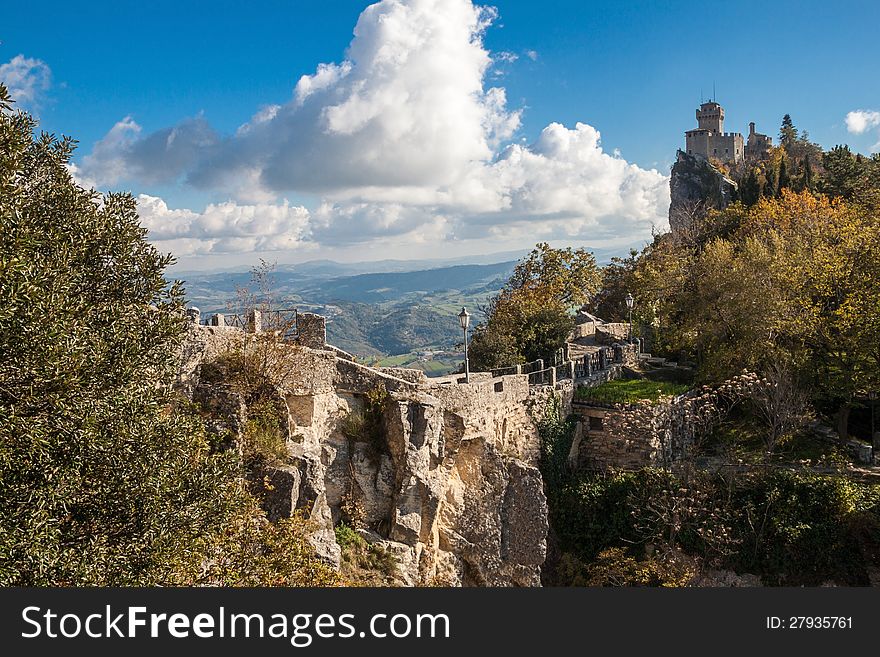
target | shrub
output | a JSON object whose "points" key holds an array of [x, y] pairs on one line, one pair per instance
{"points": [[265, 440]]}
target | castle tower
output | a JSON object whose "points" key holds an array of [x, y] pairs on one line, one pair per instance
{"points": [[710, 116], [709, 140]]}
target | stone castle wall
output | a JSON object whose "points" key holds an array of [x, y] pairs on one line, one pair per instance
{"points": [[451, 489]]}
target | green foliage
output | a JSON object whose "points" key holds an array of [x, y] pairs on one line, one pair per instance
{"points": [[803, 529], [363, 563], [530, 318], [102, 479], [625, 391], [750, 189], [367, 424], [106, 477], [254, 552], [617, 281], [784, 180], [556, 433], [796, 282], [841, 172], [788, 134], [568, 275], [616, 567], [265, 441], [789, 528], [347, 538]]}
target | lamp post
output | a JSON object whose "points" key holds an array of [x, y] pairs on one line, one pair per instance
{"points": [[629, 304], [464, 319]]}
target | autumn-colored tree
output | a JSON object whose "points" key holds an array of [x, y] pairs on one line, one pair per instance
{"points": [[531, 317], [569, 276], [617, 281]]}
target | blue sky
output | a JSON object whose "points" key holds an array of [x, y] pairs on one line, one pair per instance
{"points": [[633, 71]]}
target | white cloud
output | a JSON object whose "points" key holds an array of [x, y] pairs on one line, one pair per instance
{"points": [[401, 140], [27, 79], [223, 227], [860, 121], [160, 157], [107, 163], [532, 54]]}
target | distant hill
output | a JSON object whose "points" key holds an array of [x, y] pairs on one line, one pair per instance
{"points": [[391, 286], [376, 309], [372, 314]]}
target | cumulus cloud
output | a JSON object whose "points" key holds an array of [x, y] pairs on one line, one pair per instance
{"points": [[27, 79], [402, 139], [859, 121], [160, 157], [407, 107], [223, 227]]}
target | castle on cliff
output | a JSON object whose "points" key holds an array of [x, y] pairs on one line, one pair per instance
{"points": [[709, 140]]}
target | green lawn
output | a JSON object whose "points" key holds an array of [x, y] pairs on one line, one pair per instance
{"points": [[625, 391]]}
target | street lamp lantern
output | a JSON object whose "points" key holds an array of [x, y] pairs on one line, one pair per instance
{"points": [[629, 304], [465, 319]]}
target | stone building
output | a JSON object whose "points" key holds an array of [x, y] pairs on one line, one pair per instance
{"points": [[710, 140], [758, 145]]}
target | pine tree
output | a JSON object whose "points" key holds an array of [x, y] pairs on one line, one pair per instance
{"points": [[750, 191], [770, 181], [807, 178], [783, 181], [788, 134], [841, 172]]}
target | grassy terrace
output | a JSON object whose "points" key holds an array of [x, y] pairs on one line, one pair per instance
{"points": [[624, 391]]}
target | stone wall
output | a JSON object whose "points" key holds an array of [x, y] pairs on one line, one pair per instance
{"points": [[497, 409], [614, 438], [450, 488], [405, 373], [311, 330], [612, 332], [583, 330]]}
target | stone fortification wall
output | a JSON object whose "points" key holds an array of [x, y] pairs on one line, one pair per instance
{"points": [[617, 437], [450, 487], [612, 332]]}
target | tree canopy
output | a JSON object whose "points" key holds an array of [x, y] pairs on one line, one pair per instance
{"points": [[531, 317], [107, 477]]}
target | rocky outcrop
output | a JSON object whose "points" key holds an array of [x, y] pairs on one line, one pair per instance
{"points": [[695, 186], [448, 484]]}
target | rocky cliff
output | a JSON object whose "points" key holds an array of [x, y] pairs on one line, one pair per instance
{"points": [[446, 480], [695, 186]]}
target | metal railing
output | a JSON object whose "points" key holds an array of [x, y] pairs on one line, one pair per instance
{"points": [[281, 319]]}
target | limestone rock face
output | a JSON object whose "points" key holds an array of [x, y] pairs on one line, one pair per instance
{"points": [[448, 484], [695, 184]]}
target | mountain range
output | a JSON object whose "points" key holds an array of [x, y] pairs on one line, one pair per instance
{"points": [[402, 311]]}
